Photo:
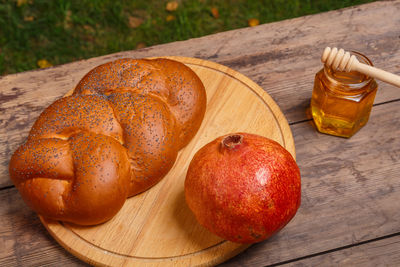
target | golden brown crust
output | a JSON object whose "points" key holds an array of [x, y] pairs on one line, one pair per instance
{"points": [[179, 87], [81, 180], [150, 132], [116, 136], [75, 113], [186, 99]]}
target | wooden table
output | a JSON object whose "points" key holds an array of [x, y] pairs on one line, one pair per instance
{"points": [[350, 211]]}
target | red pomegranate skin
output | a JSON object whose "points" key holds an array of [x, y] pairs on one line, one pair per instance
{"points": [[243, 187]]}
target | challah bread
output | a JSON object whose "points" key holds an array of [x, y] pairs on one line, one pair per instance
{"points": [[116, 136], [177, 85]]}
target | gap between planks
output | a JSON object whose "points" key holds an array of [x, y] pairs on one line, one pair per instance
{"points": [[335, 250]]}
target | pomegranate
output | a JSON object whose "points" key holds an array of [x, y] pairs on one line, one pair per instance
{"points": [[243, 187]]}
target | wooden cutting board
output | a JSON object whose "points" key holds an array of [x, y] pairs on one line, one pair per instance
{"points": [[156, 228]]}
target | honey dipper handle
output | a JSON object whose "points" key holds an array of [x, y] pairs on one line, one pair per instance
{"points": [[377, 73], [343, 61]]}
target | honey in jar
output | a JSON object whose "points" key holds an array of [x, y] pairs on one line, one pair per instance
{"points": [[341, 101]]}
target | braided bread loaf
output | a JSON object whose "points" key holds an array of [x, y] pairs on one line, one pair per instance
{"points": [[117, 135]]}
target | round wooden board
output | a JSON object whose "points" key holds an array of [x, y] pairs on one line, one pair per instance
{"points": [[156, 228]]}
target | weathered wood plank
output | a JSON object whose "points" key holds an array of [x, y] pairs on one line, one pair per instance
{"points": [[23, 239], [384, 252], [282, 57], [350, 191]]}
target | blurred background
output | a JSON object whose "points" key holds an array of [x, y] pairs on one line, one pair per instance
{"points": [[43, 33]]}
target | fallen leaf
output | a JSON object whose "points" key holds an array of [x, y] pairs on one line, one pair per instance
{"points": [[253, 22], [67, 19], [29, 18], [88, 34], [135, 22], [215, 12], [140, 45], [172, 6], [43, 63], [88, 28], [21, 2], [170, 18]]}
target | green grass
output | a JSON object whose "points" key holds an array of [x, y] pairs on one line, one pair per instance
{"points": [[66, 30]]}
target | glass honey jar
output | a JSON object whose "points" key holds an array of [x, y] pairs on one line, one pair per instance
{"points": [[342, 101]]}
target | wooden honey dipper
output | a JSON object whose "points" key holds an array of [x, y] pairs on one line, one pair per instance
{"points": [[342, 61]]}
